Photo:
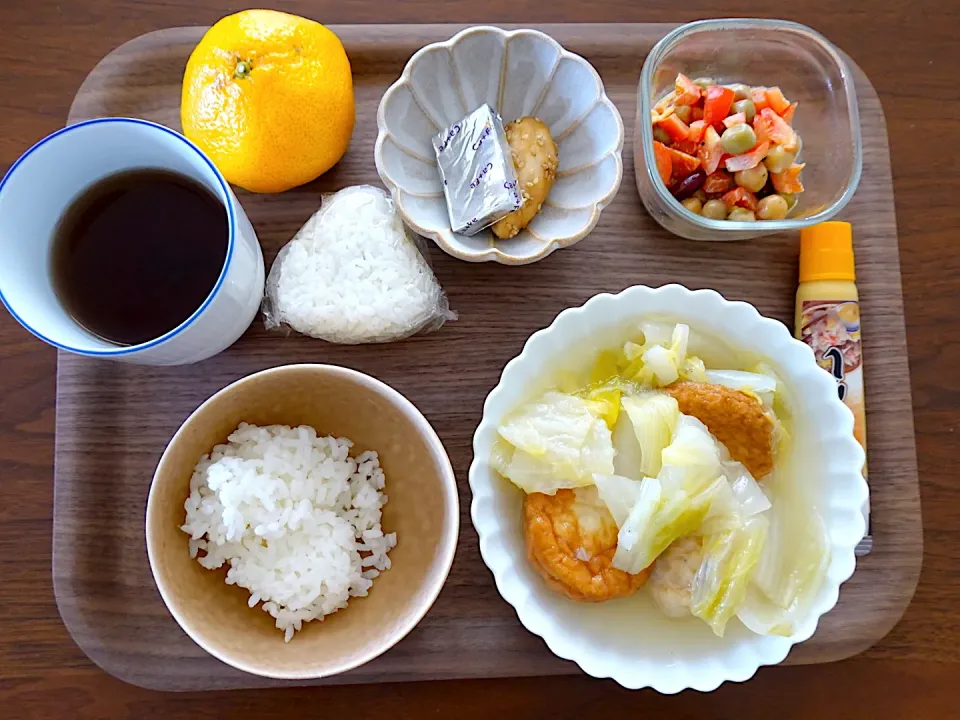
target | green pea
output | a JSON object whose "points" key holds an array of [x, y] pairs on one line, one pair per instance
{"points": [[746, 107], [738, 139], [752, 179], [740, 91], [739, 214], [714, 209], [660, 134]]}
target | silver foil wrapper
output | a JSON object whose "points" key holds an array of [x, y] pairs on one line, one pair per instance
{"points": [[479, 181]]}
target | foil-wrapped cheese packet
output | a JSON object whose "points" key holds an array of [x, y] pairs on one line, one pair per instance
{"points": [[479, 180]]}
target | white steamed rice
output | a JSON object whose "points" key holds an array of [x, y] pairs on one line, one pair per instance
{"points": [[295, 517]]}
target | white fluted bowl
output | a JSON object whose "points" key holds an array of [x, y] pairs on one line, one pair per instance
{"points": [[630, 640], [518, 73]]}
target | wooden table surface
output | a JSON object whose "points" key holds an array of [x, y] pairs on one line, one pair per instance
{"points": [[909, 50]]}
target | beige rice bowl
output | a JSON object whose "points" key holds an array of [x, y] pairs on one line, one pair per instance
{"points": [[294, 516]]}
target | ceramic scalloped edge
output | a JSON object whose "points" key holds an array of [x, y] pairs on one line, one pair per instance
{"points": [[449, 241], [834, 429]]}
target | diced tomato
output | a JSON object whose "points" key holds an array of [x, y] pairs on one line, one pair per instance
{"points": [[788, 181], [697, 113], [776, 99], [676, 128], [683, 164], [719, 182], [747, 160], [711, 151], [741, 197], [735, 119], [761, 130], [686, 92], [687, 146], [697, 128], [664, 164], [772, 128], [787, 114], [759, 97], [717, 104]]}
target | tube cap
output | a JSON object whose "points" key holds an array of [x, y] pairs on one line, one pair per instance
{"points": [[826, 252]]}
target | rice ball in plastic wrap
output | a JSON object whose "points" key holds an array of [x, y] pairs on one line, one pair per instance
{"points": [[353, 274]]}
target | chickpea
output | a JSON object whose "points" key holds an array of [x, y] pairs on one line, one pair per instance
{"points": [[714, 209], [772, 207], [739, 214], [778, 159], [752, 179]]}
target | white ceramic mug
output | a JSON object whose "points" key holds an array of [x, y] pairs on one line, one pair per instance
{"points": [[41, 185]]}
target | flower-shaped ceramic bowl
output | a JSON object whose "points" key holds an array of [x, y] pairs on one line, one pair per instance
{"points": [[518, 73], [630, 640]]}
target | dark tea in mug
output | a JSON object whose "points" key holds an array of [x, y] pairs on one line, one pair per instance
{"points": [[137, 253]]}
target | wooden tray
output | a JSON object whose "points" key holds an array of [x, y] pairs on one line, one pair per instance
{"points": [[113, 420]]}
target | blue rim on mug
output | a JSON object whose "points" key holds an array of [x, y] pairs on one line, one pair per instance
{"points": [[231, 226]]}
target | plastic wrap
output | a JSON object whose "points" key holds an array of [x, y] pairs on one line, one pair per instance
{"points": [[355, 274]]}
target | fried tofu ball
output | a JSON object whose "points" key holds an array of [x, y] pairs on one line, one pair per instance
{"points": [[571, 539], [736, 419], [671, 582]]}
